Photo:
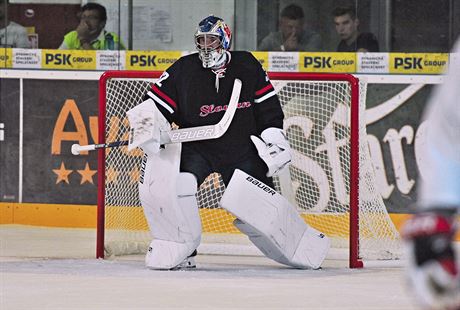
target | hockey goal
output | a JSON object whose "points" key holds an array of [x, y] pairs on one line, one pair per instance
{"points": [[330, 181]]}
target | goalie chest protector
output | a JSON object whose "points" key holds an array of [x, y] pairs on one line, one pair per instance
{"points": [[190, 95]]}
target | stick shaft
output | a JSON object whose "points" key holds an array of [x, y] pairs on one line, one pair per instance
{"points": [[91, 147], [112, 144]]}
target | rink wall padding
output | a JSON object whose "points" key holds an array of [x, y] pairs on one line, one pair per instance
{"points": [[56, 114], [9, 144], [51, 215], [84, 216]]}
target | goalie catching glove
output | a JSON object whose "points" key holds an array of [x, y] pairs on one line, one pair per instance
{"points": [[274, 149]]}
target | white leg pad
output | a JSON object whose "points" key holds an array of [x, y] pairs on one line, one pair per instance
{"points": [[273, 224], [170, 207]]}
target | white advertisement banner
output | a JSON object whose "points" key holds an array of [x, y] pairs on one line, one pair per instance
{"points": [[27, 58], [373, 63], [283, 61], [110, 60]]}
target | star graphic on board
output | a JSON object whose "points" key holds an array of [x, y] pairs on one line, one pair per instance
{"points": [[62, 173], [111, 175], [87, 174]]}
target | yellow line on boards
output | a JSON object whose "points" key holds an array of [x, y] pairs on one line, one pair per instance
{"points": [[84, 216], [53, 215]]}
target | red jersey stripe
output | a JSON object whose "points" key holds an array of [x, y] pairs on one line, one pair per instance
{"points": [[264, 90], [171, 102]]}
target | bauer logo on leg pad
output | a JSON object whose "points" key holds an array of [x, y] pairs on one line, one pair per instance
{"points": [[131, 136], [143, 164], [272, 223], [261, 185]]}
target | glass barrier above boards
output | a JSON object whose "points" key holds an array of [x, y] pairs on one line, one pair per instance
{"points": [[325, 62], [256, 25]]}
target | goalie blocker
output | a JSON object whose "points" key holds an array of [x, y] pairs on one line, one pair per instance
{"points": [[273, 224]]}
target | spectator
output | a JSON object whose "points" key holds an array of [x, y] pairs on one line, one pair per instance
{"points": [[292, 34], [346, 24], [11, 33], [90, 33]]}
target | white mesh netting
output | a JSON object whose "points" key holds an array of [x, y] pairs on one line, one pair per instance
{"points": [[317, 122]]}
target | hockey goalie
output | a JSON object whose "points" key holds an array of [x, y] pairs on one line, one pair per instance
{"points": [[226, 126]]}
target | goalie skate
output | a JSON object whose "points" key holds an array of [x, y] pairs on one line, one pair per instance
{"points": [[187, 263]]}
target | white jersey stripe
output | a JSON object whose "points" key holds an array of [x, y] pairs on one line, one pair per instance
{"points": [[265, 97], [160, 102]]}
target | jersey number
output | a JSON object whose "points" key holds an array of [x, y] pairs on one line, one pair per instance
{"points": [[163, 77]]}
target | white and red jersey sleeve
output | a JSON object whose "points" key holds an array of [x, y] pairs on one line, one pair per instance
{"points": [[265, 92], [164, 93], [267, 105]]}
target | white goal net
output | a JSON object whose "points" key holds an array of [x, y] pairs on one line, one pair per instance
{"points": [[330, 181]]}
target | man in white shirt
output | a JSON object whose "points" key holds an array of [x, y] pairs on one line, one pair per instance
{"points": [[11, 33]]}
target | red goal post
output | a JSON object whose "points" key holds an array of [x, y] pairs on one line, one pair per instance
{"points": [[354, 259], [331, 179]]}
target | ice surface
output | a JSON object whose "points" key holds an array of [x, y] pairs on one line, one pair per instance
{"points": [[50, 268]]}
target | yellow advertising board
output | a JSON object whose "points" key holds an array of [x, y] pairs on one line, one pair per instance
{"points": [[6, 58], [151, 60], [69, 59], [327, 62], [418, 63], [262, 57], [320, 62]]}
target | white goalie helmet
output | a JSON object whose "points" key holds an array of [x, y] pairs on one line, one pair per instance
{"points": [[212, 39]]}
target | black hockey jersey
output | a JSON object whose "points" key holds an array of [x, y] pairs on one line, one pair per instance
{"points": [[190, 95]]}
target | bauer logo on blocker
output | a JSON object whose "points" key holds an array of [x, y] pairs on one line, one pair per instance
{"points": [[192, 134]]}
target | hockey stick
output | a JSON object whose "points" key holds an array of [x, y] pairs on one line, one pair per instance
{"points": [[77, 148], [185, 134]]}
